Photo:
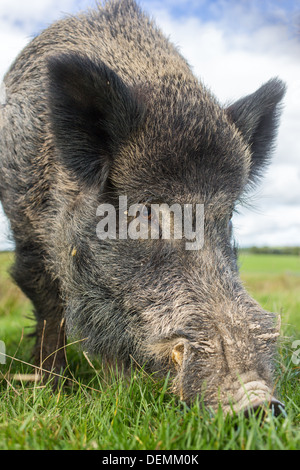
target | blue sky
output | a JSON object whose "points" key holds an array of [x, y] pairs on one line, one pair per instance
{"points": [[267, 11], [235, 12], [233, 46]]}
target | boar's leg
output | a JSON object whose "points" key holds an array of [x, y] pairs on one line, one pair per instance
{"points": [[36, 282], [49, 351]]}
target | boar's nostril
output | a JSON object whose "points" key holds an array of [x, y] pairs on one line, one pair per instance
{"points": [[274, 405]]}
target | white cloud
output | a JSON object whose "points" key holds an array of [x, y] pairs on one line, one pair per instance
{"points": [[234, 63], [273, 227], [12, 42], [283, 186], [20, 21], [273, 218], [5, 237], [29, 15]]}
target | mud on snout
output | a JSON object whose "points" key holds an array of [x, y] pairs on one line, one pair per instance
{"points": [[250, 394], [235, 392]]}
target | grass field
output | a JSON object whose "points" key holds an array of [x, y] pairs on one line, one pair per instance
{"points": [[95, 410]]}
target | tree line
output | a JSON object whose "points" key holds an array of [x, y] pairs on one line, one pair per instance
{"points": [[267, 250]]}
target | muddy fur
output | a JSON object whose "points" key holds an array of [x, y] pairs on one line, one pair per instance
{"points": [[102, 105]]}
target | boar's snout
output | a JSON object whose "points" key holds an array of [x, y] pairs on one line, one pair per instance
{"points": [[194, 375]]}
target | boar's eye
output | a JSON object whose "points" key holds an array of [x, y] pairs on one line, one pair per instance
{"points": [[147, 213]]}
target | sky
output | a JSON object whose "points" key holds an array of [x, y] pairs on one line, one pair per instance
{"points": [[233, 47]]}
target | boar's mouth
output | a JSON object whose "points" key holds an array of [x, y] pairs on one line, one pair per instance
{"points": [[254, 396], [251, 397]]}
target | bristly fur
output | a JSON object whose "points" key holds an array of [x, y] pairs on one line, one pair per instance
{"points": [[101, 105]]}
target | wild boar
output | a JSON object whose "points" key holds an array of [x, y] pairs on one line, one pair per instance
{"points": [[102, 108]]}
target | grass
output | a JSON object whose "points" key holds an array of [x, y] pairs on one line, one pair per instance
{"points": [[274, 281], [97, 410]]}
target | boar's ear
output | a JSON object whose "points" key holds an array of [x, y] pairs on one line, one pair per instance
{"points": [[257, 117], [92, 112]]}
